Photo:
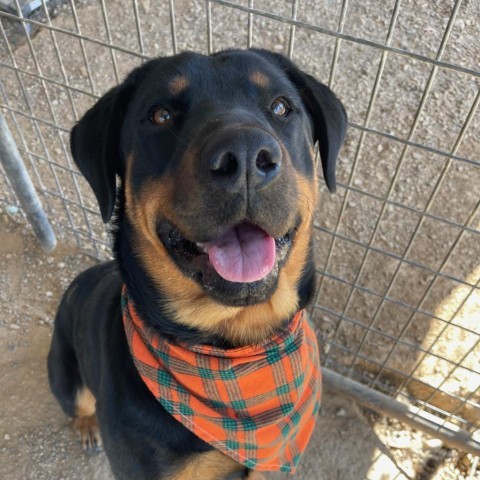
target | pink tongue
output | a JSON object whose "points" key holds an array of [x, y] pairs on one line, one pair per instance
{"points": [[243, 254]]}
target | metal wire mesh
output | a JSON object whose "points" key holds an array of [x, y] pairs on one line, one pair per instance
{"points": [[397, 248]]}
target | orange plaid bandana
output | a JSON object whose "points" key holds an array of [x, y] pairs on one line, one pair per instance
{"points": [[256, 404]]}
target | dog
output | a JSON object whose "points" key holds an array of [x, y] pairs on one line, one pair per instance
{"points": [[206, 168]]}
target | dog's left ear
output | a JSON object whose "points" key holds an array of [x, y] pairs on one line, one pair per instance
{"points": [[95, 145], [327, 113]]}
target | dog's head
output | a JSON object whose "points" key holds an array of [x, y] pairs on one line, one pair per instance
{"points": [[218, 181]]}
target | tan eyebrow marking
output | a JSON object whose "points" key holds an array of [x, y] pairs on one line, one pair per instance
{"points": [[178, 84], [259, 79]]}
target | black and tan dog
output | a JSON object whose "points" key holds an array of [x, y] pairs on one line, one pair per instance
{"points": [[207, 165]]}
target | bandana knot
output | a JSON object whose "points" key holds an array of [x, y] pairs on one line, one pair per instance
{"points": [[256, 404]]}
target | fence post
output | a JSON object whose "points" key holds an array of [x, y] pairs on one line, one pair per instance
{"points": [[24, 189]]}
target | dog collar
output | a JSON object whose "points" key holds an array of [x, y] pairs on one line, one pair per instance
{"points": [[256, 404]]}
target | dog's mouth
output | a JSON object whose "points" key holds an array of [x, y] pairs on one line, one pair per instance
{"points": [[244, 255]]}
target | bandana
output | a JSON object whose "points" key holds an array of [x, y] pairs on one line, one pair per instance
{"points": [[256, 404]]}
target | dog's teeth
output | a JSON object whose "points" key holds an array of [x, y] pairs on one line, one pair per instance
{"points": [[201, 247]]}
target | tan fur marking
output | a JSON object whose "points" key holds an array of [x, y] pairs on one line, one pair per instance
{"points": [[178, 84], [212, 465], [85, 421], [84, 403], [259, 79]]}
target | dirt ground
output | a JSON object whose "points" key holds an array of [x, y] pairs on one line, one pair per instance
{"points": [[431, 275]]}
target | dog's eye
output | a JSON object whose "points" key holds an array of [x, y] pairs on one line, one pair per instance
{"points": [[280, 107], [161, 116]]}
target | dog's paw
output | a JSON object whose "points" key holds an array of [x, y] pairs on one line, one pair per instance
{"points": [[88, 433]]}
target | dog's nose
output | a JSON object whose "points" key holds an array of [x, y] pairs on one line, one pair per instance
{"points": [[238, 157]]}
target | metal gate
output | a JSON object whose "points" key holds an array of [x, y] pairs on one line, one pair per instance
{"points": [[397, 248]]}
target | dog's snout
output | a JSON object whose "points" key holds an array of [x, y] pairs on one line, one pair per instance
{"points": [[242, 157]]}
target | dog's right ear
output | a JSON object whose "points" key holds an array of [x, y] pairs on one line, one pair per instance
{"points": [[95, 145], [325, 109]]}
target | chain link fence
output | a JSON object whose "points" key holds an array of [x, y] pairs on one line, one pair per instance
{"points": [[397, 309]]}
